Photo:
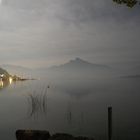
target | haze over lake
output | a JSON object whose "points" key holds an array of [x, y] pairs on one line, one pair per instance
{"points": [[64, 62], [75, 104]]}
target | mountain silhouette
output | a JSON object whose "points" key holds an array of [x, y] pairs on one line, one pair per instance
{"points": [[79, 64], [77, 68], [17, 70]]}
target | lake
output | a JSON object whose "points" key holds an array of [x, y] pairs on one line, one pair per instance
{"points": [[75, 106]]}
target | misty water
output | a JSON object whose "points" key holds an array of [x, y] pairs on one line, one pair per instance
{"points": [[76, 106]]}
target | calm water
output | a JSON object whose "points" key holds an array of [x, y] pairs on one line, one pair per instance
{"points": [[73, 106]]}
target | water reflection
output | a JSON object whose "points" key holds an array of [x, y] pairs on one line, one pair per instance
{"points": [[85, 116], [1, 84], [10, 80], [76, 91], [69, 114], [79, 88], [4, 83]]}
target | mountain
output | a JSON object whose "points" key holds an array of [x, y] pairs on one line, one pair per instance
{"points": [[78, 63], [17, 70], [77, 68]]}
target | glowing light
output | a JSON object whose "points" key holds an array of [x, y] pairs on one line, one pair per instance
{"points": [[1, 75], [1, 84], [10, 80]]}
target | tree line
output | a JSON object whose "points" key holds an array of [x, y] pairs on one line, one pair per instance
{"points": [[129, 3]]}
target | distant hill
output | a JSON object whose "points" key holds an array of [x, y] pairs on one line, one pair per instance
{"points": [[80, 64], [77, 68], [17, 70], [2, 71], [73, 68]]}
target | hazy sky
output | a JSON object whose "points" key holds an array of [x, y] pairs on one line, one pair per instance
{"points": [[40, 33]]}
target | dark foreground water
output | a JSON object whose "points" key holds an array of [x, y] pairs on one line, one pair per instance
{"points": [[73, 106]]}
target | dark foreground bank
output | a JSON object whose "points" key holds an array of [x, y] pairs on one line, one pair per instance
{"points": [[45, 135]]}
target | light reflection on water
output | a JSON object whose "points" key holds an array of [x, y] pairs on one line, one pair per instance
{"points": [[1, 84], [10, 80], [5, 83], [74, 107]]}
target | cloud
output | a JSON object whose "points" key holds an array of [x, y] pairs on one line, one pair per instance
{"points": [[52, 31]]}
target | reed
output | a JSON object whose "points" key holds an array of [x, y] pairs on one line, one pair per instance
{"points": [[37, 102]]}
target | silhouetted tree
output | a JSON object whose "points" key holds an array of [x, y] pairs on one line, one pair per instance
{"points": [[129, 3]]}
